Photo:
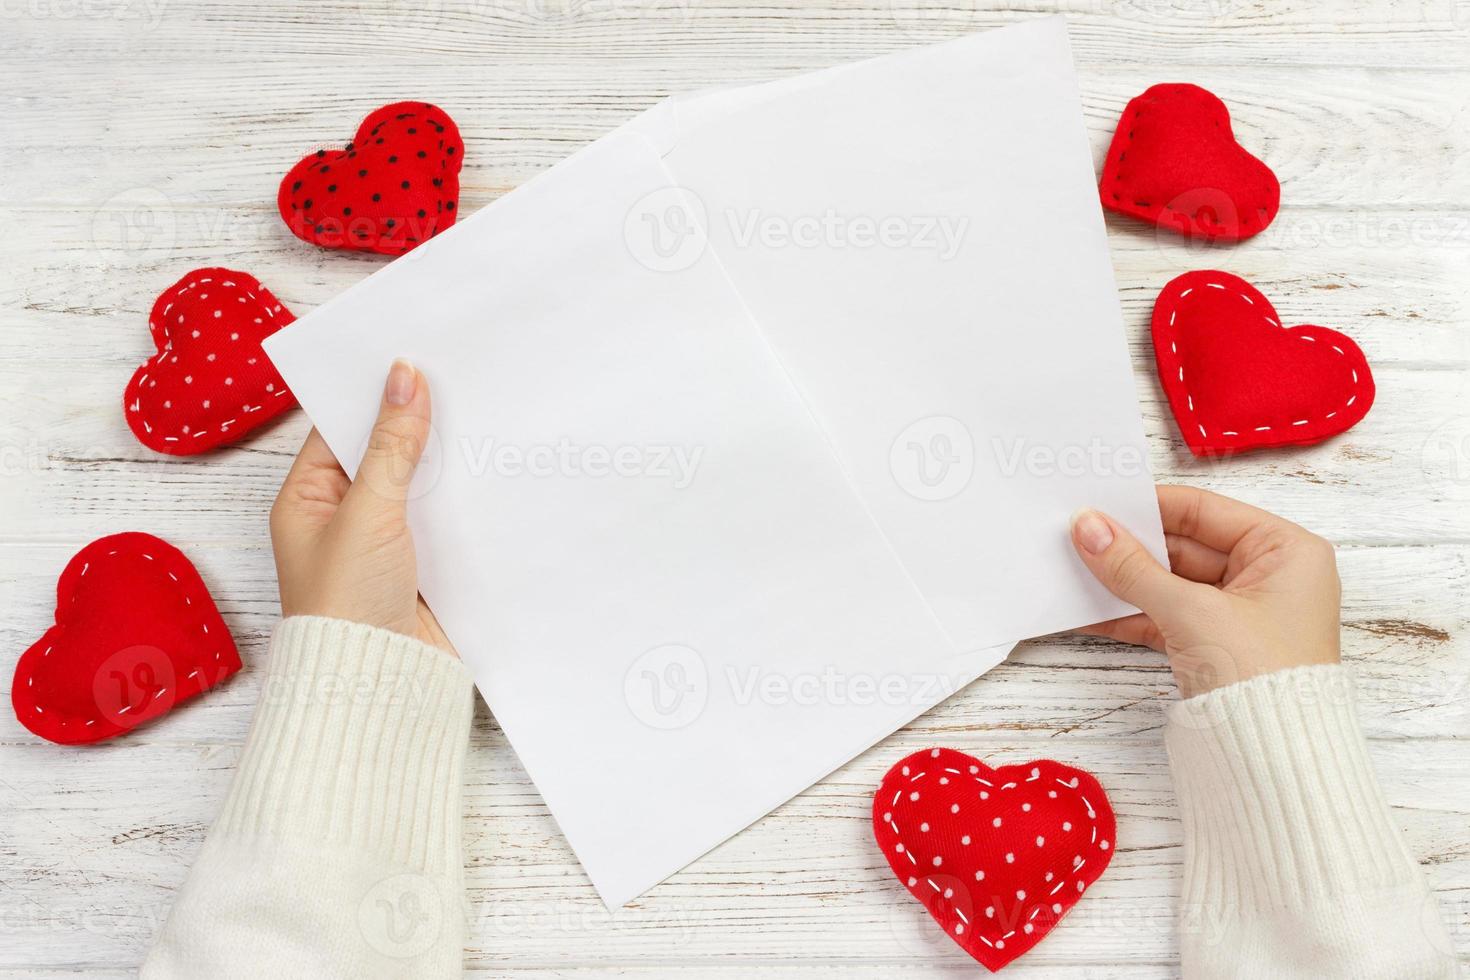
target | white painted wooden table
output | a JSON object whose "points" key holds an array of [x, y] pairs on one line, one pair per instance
{"points": [[143, 138]]}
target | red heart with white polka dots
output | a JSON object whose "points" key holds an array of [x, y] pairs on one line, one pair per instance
{"points": [[997, 856], [210, 382]]}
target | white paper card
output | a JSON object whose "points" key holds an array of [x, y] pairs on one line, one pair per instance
{"points": [[626, 628]]}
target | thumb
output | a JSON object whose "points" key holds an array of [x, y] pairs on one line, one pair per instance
{"points": [[1124, 566], [397, 440]]}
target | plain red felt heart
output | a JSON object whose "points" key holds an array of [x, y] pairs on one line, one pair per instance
{"points": [[1174, 162], [997, 856], [136, 633], [209, 383], [394, 186], [1237, 380]]}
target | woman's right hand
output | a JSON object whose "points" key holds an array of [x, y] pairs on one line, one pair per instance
{"points": [[343, 548], [1249, 592]]}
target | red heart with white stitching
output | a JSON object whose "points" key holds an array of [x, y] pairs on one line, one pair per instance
{"points": [[1174, 162], [136, 633], [997, 856], [393, 187], [1237, 380], [210, 382]]}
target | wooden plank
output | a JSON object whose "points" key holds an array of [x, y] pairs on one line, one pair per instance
{"points": [[1397, 282], [1351, 138], [916, 967], [102, 838], [1378, 33], [1400, 477], [1406, 636]]}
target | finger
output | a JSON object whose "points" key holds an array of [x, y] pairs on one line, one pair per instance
{"points": [[309, 496], [432, 632], [397, 440], [1124, 566], [313, 458], [1137, 629], [1194, 561], [1209, 518]]}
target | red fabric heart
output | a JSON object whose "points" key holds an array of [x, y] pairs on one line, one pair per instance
{"points": [[210, 383], [1237, 380], [1174, 162], [997, 856], [394, 186], [136, 633]]}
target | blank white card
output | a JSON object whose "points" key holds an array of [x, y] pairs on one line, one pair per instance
{"points": [[757, 427]]}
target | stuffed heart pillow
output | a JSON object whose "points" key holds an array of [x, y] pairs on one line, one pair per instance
{"points": [[136, 633], [1236, 379], [1174, 162], [997, 856], [209, 382], [394, 186]]}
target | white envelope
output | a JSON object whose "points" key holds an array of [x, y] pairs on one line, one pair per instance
{"points": [[992, 328], [707, 517]]}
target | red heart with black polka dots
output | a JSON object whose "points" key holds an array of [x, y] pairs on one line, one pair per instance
{"points": [[210, 382], [996, 856], [136, 633], [393, 187]]}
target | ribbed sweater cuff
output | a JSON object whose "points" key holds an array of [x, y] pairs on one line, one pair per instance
{"points": [[359, 739], [1278, 800]]}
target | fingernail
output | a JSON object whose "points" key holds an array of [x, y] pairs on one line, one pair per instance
{"points": [[402, 381], [1091, 531]]}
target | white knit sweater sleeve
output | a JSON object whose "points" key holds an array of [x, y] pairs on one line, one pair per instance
{"points": [[1293, 866], [338, 850]]}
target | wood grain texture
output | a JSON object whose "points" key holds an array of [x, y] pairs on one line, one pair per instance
{"points": [[145, 137]]}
